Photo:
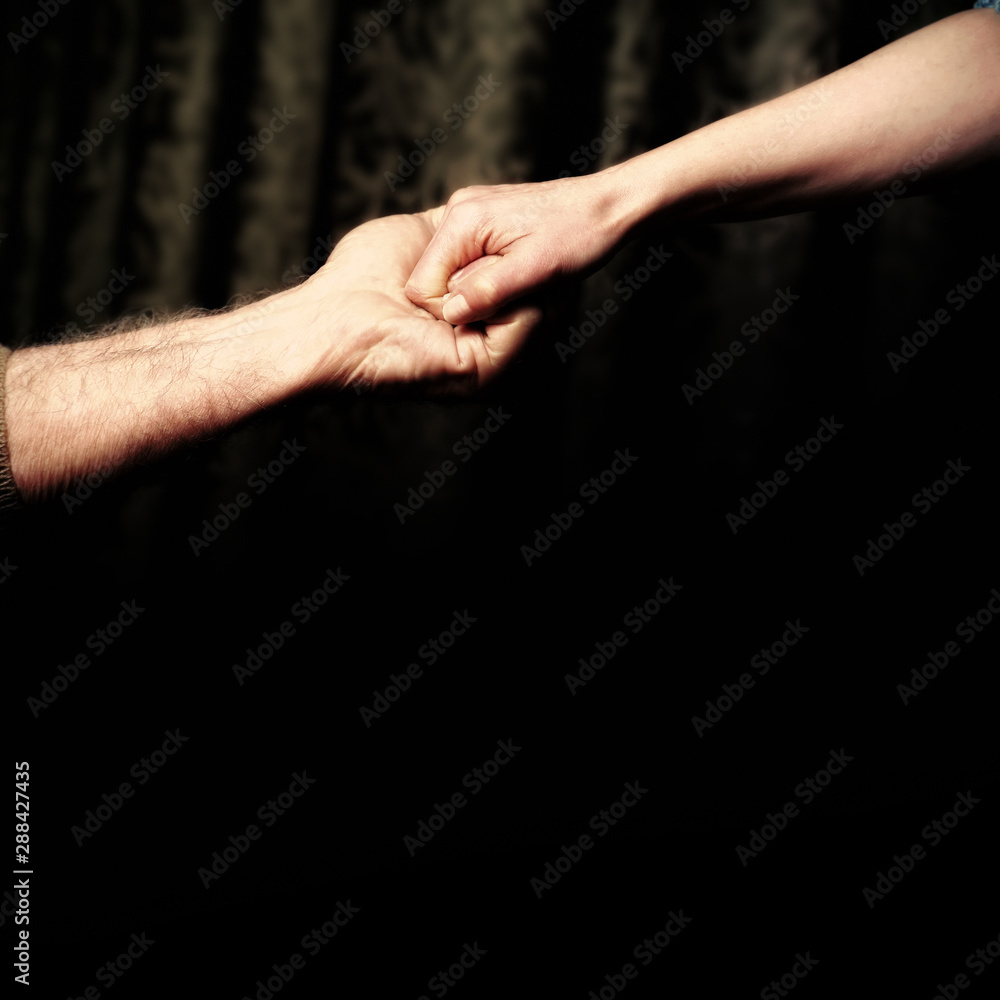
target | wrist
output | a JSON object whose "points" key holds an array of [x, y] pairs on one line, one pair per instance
{"points": [[275, 340], [294, 341], [630, 196], [673, 183], [329, 348]]}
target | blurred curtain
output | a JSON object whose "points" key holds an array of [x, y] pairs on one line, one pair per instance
{"points": [[359, 89]]}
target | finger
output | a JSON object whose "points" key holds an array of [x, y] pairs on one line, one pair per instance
{"points": [[435, 306], [493, 348], [476, 265], [482, 292], [455, 243]]}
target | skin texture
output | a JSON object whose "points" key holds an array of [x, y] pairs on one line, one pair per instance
{"points": [[108, 402], [928, 103]]}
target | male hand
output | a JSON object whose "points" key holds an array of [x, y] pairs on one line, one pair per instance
{"points": [[107, 402], [495, 245], [370, 334]]}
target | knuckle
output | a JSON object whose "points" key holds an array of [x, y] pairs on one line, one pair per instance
{"points": [[465, 212], [461, 195]]}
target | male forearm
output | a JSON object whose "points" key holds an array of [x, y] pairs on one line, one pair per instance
{"points": [[110, 402], [107, 403], [921, 107]]}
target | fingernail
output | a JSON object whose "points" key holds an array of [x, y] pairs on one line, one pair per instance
{"points": [[456, 309]]}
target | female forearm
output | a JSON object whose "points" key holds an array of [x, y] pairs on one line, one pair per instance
{"points": [[916, 109], [921, 107]]}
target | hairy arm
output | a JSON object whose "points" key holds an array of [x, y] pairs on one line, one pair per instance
{"points": [[106, 403], [919, 108], [128, 397]]}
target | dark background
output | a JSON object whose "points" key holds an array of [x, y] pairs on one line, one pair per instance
{"points": [[505, 679]]}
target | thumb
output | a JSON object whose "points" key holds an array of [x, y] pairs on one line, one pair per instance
{"points": [[454, 245], [481, 289]]}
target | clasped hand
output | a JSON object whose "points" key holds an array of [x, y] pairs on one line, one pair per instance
{"points": [[444, 297], [382, 336]]}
